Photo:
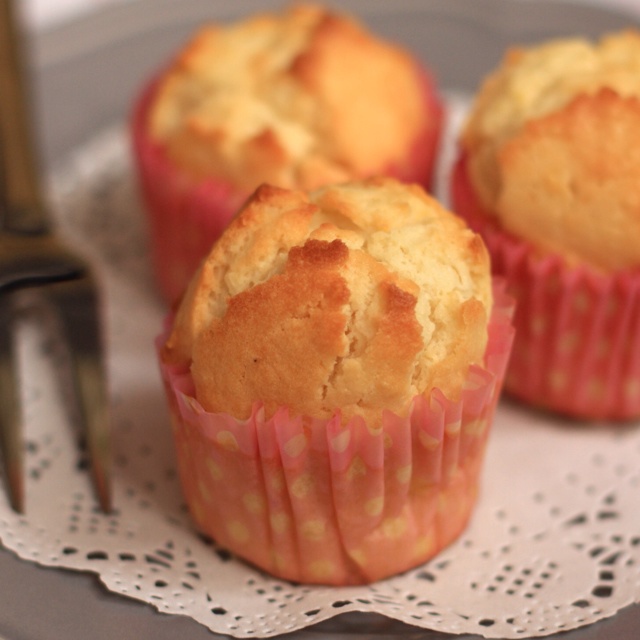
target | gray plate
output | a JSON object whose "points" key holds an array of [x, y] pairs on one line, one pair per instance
{"points": [[86, 75]]}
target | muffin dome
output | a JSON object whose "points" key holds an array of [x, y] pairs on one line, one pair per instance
{"points": [[552, 148], [355, 297], [272, 98]]}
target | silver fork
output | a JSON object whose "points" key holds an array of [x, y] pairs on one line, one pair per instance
{"points": [[31, 256]]}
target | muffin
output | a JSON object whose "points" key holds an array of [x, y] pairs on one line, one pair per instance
{"points": [[549, 173], [332, 373], [298, 99]]}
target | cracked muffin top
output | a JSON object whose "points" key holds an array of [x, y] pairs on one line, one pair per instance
{"points": [[299, 99], [355, 297], [553, 148]]}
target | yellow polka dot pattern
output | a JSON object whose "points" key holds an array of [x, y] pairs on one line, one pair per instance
{"points": [[254, 503], [227, 441], [314, 530], [280, 522], [577, 345], [239, 532], [374, 506], [302, 486], [377, 511]]}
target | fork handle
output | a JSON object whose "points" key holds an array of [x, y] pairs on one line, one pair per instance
{"points": [[20, 193]]}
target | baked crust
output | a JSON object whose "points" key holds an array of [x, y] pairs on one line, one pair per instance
{"points": [[299, 99], [358, 297], [552, 143], [571, 181]]}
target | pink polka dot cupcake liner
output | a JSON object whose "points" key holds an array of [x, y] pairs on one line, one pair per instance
{"points": [[315, 501], [186, 216], [577, 346]]}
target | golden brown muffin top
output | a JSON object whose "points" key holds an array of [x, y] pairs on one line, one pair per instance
{"points": [[358, 296], [298, 99], [553, 141]]}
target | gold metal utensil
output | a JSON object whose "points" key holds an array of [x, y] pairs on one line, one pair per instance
{"points": [[32, 256]]}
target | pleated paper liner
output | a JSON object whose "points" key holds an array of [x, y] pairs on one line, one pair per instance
{"points": [[315, 501], [577, 343], [186, 216]]}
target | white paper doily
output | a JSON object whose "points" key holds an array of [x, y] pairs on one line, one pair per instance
{"points": [[554, 543]]}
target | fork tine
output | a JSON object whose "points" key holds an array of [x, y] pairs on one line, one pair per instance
{"points": [[77, 304], [22, 214], [10, 415]]}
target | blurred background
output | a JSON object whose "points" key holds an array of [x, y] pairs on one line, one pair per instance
{"points": [[80, 86], [45, 13]]}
